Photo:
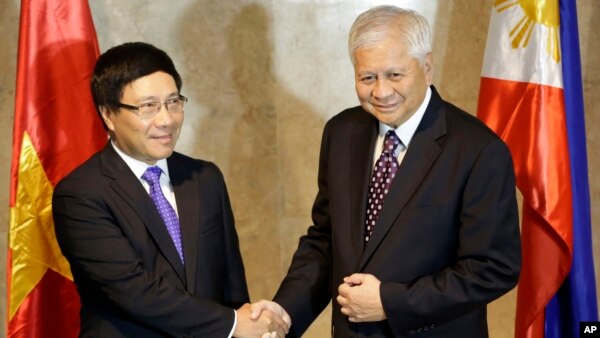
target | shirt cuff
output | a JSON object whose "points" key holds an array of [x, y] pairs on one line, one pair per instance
{"points": [[234, 324]]}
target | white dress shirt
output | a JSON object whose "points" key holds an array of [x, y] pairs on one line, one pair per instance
{"points": [[405, 131], [139, 167]]}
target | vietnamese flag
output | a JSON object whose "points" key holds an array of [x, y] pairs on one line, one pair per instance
{"points": [[531, 96], [55, 129]]}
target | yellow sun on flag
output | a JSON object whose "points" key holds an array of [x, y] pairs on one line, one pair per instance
{"points": [[543, 12]]}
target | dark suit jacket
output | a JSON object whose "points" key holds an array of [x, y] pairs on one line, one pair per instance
{"points": [[446, 242], [129, 277]]}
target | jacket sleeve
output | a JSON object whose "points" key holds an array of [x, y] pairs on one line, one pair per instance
{"points": [[236, 289], [306, 290]]}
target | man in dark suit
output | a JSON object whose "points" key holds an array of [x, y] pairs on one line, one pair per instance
{"points": [[148, 232], [415, 221]]}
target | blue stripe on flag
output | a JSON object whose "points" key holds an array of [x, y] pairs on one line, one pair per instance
{"points": [[576, 299]]}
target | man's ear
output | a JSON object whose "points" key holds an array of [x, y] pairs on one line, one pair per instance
{"points": [[428, 67], [107, 116]]}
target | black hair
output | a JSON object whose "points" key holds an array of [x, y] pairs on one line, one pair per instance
{"points": [[123, 64]]}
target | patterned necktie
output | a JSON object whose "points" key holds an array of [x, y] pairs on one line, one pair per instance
{"points": [[166, 211], [383, 174]]}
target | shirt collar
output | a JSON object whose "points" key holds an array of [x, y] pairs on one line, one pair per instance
{"points": [[139, 167], [407, 130]]}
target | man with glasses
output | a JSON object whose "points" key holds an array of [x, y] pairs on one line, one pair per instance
{"points": [[148, 232]]}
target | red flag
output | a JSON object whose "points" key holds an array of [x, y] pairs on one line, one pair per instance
{"points": [[522, 99], [55, 129]]}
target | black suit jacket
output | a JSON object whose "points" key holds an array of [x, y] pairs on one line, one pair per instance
{"points": [[127, 271], [446, 242]]}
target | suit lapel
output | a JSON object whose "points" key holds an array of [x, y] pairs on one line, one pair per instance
{"points": [[361, 152], [189, 214], [419, 158], [126, 185]]}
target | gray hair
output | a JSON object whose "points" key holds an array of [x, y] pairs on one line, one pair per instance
{"points": [[380, 22]]}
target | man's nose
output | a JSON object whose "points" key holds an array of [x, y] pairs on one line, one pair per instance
{"points": [[382, 88], [163, 117]]}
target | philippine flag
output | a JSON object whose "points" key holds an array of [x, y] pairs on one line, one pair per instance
{"points": [[531, 96]]}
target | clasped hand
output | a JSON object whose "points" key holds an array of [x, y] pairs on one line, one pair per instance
{"points": [[265, 319], [360, 299]]}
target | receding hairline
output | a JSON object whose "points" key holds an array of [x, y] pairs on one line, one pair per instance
{"points": [[379, 32]]}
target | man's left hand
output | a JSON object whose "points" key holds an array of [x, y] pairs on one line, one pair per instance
{"points": [[359, 298]]}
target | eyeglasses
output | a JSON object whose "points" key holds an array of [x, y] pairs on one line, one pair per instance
{"points": [[147, 110]]}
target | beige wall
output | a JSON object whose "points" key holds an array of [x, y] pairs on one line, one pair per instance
{"points": [[263, 76]]}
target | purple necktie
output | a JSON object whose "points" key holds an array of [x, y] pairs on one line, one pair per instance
{"points": [[383, 175], [166, 211]]}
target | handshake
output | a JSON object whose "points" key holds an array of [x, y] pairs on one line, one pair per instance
{"points": [[264, 319], [359, 299]]}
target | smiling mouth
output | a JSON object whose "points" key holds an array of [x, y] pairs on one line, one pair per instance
{"points": [[386, 107], [162, 138]]}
